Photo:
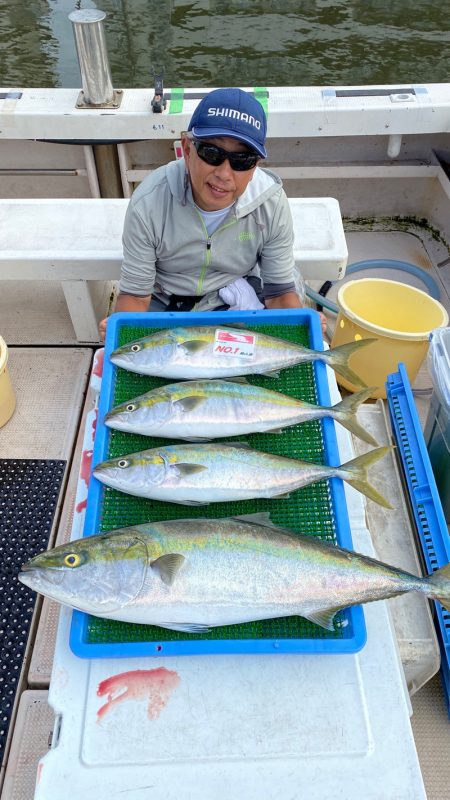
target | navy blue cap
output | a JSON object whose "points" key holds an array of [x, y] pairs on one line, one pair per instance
{"points": [[231, 112]]}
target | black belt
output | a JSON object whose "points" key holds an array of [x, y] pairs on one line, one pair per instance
{"points": [[183, 302]]}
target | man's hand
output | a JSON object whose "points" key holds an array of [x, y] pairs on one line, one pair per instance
{"points": [[126, 302], [102, 329], [323, 323], [287, 300], [292, 300]]}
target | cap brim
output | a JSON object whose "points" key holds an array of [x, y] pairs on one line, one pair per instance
{"points": [[213, 133]]}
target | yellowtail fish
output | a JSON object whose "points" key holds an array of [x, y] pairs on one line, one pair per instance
{"points": [[193, 575], [194, 474], [211, 409], [220, 352]]}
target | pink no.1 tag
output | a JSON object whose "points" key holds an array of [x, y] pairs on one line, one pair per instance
{"points": [[236, 344]]}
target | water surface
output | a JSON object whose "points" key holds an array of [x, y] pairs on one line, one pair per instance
{"points": [[233, 42]]}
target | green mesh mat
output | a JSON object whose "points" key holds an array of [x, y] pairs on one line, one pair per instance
{"points": [[308, 510]]}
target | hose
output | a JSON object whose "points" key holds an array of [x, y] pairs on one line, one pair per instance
{"points": [[321, 300], [358, 266]]}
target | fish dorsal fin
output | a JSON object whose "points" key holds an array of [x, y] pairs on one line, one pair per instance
{"points": [[263, 519], [193, 346], [235, 379], [196, 439], [236, 445], [324, 618], [260, 518], [190, 403], [167, 566]]}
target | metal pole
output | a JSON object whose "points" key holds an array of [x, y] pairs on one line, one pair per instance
{"points": [[92, 56]]}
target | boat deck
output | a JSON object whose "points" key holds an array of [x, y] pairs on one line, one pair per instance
{"points": [[50, 373]]}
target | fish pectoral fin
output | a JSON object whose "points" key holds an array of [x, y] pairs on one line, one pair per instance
{"points": [[194, 346], [324, 618], [189, 403], [168, 566], [189, 469], [188, 627]]}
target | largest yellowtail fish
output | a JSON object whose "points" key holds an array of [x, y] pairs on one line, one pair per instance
{"points": [[194, 474], [199, 352], [192, 575]]}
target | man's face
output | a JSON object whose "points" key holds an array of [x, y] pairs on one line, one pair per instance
{"points": [[214, 188]]}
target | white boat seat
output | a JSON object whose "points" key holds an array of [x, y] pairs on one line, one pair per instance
{"points": [[79, 242]]}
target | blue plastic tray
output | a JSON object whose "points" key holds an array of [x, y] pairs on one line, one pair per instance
{"points": [[354, 633], [424, 496]]}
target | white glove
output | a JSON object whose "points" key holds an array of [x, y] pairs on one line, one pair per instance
{"points": [[240, 296]]}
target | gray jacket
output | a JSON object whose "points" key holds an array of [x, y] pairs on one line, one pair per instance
{"points": [[167, 249]]}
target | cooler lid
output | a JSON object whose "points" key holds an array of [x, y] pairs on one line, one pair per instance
{"points": [[439, 363]]}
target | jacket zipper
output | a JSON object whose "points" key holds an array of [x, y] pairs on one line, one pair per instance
{"points": [[208, 251]]}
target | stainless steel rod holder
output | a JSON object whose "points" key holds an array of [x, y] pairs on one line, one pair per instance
{"points": [[92, 57]]}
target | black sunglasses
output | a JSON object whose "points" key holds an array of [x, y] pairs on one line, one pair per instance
{"points": [[214, 156]]}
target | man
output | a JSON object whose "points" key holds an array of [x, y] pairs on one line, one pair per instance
{"points": [[204, 232]]}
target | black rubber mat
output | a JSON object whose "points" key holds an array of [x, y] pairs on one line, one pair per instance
{"points": [[29, 491]]}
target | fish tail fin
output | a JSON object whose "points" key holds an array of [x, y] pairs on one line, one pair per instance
{"points": [[338, 358], [355, 473], [439, 585], [345, 413]]}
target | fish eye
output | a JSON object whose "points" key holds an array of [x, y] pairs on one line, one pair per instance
{"points": [[122, 463], [130, 407], [72, 560], [135, 348]]}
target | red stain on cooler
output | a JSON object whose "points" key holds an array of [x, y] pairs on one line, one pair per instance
{"points": [[98, 363], [81, 506], [39, 772], [154, 685], [86, 466]]}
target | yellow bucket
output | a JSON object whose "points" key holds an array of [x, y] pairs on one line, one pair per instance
{"points": [[7, 396], [399, 318]]}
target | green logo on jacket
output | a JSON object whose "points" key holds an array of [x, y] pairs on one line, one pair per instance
{"points": [[245, 236]]}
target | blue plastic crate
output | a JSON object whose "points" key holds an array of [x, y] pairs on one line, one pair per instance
{"points": [[424, 497], [353, 635]]}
